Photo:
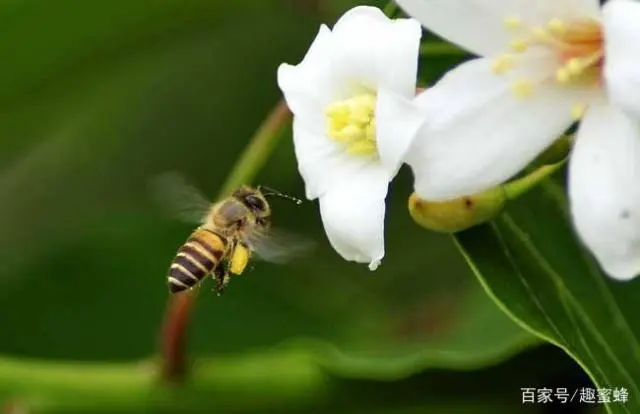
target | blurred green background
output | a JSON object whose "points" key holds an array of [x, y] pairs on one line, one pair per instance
{"points": [[96, 98]]}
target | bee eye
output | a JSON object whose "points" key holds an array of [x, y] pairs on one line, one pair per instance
{"points": [[264, 222], [255, 203]]}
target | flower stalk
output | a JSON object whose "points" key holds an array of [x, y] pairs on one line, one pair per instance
{"points": [[390, 9], [516, 188], [557, 152], [431, 48], [174, 328], [259, 149]]}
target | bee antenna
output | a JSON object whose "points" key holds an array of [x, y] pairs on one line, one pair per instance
{"points": [[268, 192]]}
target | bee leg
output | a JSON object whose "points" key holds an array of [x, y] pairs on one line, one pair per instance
{"points": [[239, 258], [221, 276]]}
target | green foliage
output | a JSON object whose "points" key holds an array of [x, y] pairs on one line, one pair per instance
{"points": [[224, 384], [532, 265]]}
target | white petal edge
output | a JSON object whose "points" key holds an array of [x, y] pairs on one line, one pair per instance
{"points": [[309, 86], [478, 25], [322, 162], [353, 214], [604, 173], [397, 123], [479, 134], [622, 50], [374, 51]]}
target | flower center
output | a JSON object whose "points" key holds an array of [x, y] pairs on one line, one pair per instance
{"points": [[577, 46], [351, 122]]}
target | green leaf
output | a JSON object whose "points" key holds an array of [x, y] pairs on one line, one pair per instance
{"points": [[531, 264], [125, 91]]}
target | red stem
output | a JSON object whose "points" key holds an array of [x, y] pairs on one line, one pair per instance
{"points": [[173, 340]]}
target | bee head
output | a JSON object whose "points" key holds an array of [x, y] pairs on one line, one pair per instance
{"points": [[254, 200]]}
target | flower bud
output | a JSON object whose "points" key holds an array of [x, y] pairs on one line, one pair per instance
{"points": [[458, 214]]}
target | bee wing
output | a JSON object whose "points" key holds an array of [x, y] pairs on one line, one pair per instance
{"points": [[179, 199], [278, 246]]}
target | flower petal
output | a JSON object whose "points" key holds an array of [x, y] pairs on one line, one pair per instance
{"points": [[322, 162], [478, 25], [377, 52], [353, 215], [479, 134], [397, 123], [622, 51], [604, 173], [309, 86]]}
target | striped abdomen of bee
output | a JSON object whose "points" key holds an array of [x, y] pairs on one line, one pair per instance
{"points": [[197, 257]]}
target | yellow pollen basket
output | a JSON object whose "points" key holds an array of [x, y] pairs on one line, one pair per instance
{"points": [[239, 259], [352, 123]]}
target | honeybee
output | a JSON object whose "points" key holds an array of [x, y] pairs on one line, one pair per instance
{"points": [[231, 231]]}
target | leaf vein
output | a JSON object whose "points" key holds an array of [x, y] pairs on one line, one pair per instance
{"points": [[551, 272], [526, 285], [556, 193]]}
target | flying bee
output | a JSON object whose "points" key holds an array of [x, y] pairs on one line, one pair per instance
{"points": [[231, 231]]}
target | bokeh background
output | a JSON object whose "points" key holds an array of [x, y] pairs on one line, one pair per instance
{"points": [[97, 98]]}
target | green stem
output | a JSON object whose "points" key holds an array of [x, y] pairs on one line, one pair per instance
{"points": [[556, 152], [253, 158], [516, 188], [439, 49], [390, 9], [46, 387], [259, 149]]}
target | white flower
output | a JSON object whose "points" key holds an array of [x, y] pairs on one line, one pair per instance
{"points": [[350, 97], [545, 65]]}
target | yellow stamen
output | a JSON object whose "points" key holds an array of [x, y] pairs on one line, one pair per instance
{"points": [[522, 88], [563, 75], [557, 27], [339, 115], [349, 133], [575, 49], [578, 65], [540, 34], [574, 66], [512, 23], [351, 122], [363, 147], [519, 45], [502, 64], [370, 131], [578, 110]]}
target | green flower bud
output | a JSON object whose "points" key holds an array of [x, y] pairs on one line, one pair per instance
{"points": [[459, 214]]}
